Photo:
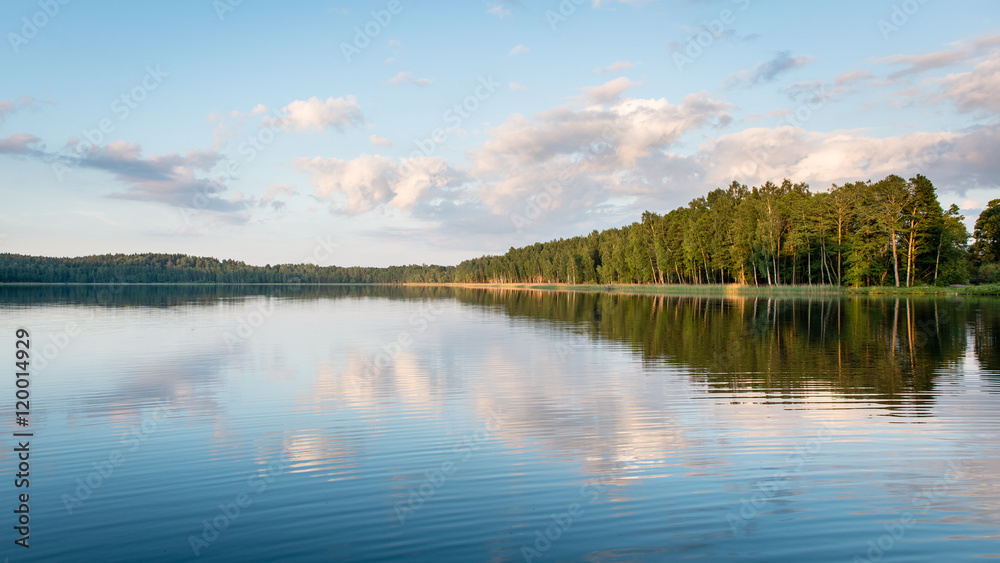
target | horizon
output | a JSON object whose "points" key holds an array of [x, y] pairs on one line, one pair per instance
{"points": [[396, 134]]}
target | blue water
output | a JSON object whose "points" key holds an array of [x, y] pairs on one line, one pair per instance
{"points": [[341, 424]]}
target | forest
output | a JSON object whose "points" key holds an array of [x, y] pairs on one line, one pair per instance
{"points": [[890, 232], [181, 268]]}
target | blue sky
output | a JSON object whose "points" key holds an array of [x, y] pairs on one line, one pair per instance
{"points": [[390, 132]]}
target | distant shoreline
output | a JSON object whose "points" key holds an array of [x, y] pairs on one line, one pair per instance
{"points": [[621, 289]]}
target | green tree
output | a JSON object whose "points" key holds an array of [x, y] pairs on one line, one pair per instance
{"points": [[986, 249]]}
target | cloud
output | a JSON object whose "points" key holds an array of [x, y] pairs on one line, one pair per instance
{"points": [[971, 91], [361, 184], [273, 190], [10, 107], [228, 126], [613, 67], [609, 91], [594, 152], [301, 115], [818, 91], [961, 53], [377, 141], [518, 50], [318, 115], [976, 90], [916, 64], [516, 86], [22, 144], [955, 161], [767, 72], [498, 10], [599, 165], [408, 78], [170, 179]]}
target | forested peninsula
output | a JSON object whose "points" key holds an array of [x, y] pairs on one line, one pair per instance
{"points": [[893, 232]]}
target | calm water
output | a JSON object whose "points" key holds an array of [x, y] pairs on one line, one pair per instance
{"points": [[305, 424]]}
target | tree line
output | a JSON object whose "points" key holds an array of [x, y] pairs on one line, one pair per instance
{"points": [[181, 268], [890, 232]]}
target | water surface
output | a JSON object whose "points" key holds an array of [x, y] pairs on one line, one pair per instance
{"points": [[329, 423]]}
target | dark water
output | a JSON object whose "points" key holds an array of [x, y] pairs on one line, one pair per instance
{"points": [[366, 424]]}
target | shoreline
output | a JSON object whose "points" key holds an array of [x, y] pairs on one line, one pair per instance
{"points": [[989, 290], [731, 289]]}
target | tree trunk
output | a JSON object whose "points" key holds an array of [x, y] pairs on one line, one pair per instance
{"points": [[895, 257], [938, 259]]}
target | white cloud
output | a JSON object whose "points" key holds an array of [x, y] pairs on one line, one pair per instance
{"points": [[21, 143], [978, 89], [377, 141], [609, 91], [273, 190], [960, 53], [361, 184], [518, 50], [613, 67], [516, 86], [597, 150], [10, 107], [636, 163], [498, 10], [407, 78], [318, 115]]}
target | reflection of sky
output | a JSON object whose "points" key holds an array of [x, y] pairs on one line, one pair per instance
{"points": [[677, 458]]}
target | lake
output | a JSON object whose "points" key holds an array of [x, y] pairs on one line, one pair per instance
{"points": [[293, 423]]}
